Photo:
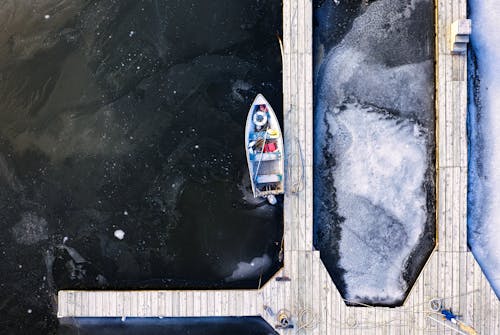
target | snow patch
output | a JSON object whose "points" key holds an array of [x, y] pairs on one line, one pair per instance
{"points": [[484, 151]]}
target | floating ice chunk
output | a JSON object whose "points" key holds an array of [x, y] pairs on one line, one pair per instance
{"points": [[131, 33], [125, 212], [119, 234], [253, 269], [46, 17]]}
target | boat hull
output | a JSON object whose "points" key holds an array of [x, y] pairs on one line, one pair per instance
{"points": [[264, 149]]}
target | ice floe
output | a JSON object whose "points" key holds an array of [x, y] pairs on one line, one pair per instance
{"points": [[374, 123], [251, 270], [380, 197], [119, 234], [484, 145]]}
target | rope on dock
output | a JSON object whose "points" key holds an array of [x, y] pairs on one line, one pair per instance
{"points": [[307, 319], [462, 328]]}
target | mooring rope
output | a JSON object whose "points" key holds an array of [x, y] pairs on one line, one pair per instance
{"points": [[464, 328], [307, 319]]}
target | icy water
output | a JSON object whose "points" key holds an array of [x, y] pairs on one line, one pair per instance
{"points": [[128, 116], [374, 144]]}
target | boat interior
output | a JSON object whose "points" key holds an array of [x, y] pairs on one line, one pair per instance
{"points": [[265, 150]]}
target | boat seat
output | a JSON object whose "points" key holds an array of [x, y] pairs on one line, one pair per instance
{"points": [[260, 134], [266, 156], [268, 178]]}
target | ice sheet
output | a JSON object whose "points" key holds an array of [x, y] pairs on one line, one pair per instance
{"points": [[484, 149], [373, 154], [378, 182]]}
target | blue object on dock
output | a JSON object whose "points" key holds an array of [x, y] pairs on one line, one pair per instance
{"points": [[448, 314]]}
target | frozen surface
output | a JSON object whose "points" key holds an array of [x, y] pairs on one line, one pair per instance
{"points": [[252, 269], [380, 197], [484, 139], [374, 156]]}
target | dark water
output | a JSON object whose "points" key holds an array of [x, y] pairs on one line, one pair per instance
{"points": [[129, 115], [192, 326]]}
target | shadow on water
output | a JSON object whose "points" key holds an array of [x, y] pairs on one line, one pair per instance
{"points": [[129, 116]]}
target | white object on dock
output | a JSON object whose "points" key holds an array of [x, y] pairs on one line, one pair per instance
{"points": [[460, 31]]}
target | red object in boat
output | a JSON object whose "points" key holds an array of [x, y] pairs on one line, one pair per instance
{"points": [[270, 147]]}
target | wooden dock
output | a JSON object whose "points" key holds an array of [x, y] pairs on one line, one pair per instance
{"points": [[450, 274]]}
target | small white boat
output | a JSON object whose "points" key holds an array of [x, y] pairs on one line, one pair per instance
{"points": [[264, 149]]}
